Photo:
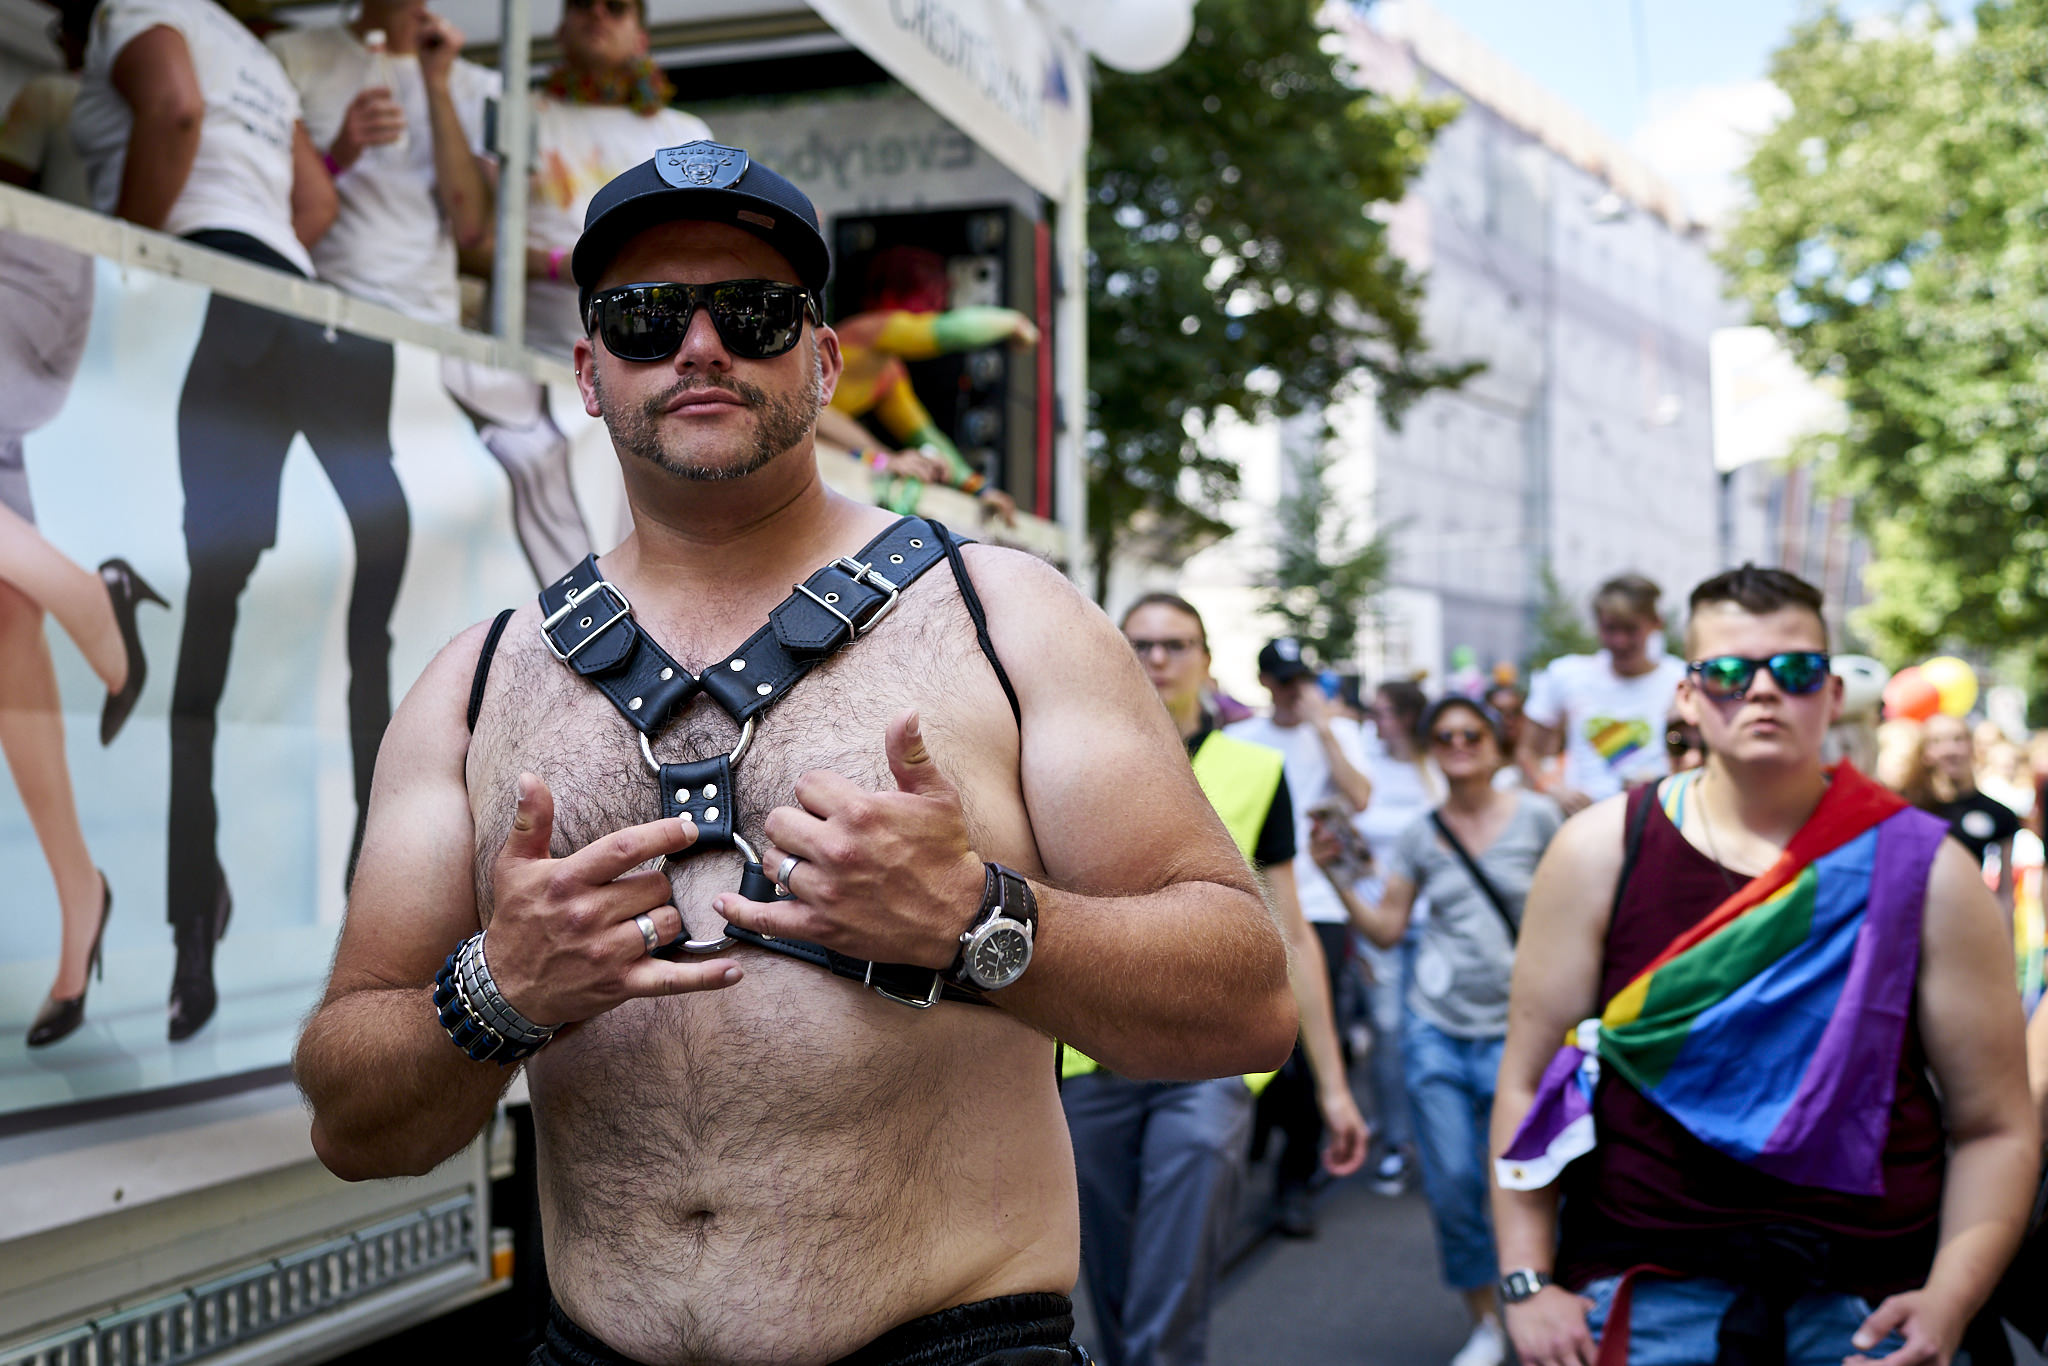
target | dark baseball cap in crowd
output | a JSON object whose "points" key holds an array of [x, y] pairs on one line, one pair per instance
{"points": [[700, 180], [1282, 660]]}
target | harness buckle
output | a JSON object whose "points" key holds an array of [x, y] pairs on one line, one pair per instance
{"points": [[930, 1000], [860, 574], [575, 600]]}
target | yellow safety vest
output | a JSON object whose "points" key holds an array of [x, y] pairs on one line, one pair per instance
{"points": [[1240, 779]]}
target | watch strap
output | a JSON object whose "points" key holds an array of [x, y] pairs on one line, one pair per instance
{"points": [[1006, 894]]}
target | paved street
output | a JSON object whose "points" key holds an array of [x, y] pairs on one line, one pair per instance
{"points": [[1364, 1292]]}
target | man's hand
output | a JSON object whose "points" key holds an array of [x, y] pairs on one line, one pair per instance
{"points": [[440, 42], [1347, 1132], [915, 465], [998, 506], [1310, 702], [1024, 333], [1549, 1328], [561, 942], [1569, 799], [886, 876], [1931, 1327], [374, 119]]}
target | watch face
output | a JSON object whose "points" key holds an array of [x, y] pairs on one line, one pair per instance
{"points": [[999, 954]]}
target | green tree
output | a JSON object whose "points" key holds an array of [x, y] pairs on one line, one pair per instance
{"points": [[1324, 577], [1898, 243], [1560, 625], [1237, 262]]}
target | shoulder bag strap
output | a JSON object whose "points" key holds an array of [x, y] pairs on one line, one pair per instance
{"points": [[1479, 877]]}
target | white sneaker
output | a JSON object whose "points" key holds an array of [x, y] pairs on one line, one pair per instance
{"points": [[1486, 1347]]}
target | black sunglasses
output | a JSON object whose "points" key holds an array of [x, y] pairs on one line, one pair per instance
{"points": [[1448, 738], [1172, 646], [617, 9], [756, 319], [1798, 672]]}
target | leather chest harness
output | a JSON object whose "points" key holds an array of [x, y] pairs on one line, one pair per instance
{"points": [[588, 624]]}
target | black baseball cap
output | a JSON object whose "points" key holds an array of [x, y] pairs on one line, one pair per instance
{"points": [[700, 180], [1282, 660]]}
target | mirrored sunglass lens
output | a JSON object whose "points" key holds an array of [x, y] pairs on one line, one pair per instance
{"points": [[641, 324], [757, 321], [1802, 672], [1726, 675]]}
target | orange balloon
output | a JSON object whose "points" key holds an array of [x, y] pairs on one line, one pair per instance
{"points": [[1910, 697]]}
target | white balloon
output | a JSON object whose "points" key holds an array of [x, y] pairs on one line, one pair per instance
{"points": [[1863, 680], [1137, 35]]}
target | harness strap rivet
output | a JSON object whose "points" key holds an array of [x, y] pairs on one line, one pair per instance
{"points": [[764, 689], [683, 795], [710, 813], [710, 791], [634, 705], [686, 816], [667, 674]]}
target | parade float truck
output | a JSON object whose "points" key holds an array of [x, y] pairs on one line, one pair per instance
{"points": [[160, 1200]]}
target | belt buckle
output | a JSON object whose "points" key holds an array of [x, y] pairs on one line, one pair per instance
{"points": [[575, 600], [932, 999], [865, 573]]}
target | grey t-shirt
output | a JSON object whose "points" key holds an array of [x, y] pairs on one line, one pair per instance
{"points": [[1462, 964]]}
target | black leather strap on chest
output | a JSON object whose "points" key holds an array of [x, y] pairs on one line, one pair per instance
{"points": [[588, 624]]}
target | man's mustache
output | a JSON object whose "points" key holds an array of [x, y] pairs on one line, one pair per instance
{"points": [[750, 395]]}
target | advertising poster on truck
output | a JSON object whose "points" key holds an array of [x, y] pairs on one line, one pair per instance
{"points": [[276, 525]]}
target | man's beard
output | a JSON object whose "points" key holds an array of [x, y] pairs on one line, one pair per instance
{"points": [[779, 423]]}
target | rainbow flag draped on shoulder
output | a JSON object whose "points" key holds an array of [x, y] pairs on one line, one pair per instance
{"points": [[1771, 1030]]}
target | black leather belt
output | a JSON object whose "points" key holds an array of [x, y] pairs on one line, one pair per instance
{"points": [[588, 624]]}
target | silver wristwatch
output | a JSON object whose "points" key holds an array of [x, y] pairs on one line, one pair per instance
{"points": [[1522, 1284], [996, 948]]}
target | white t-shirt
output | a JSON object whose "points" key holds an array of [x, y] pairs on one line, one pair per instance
{"points": [[579, 147], [1308, 782], [1613, 726], [241, 179], [389, 243], [36, 136]]}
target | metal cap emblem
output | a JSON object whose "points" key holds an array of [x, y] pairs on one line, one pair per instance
{"points": [[701, 165]]}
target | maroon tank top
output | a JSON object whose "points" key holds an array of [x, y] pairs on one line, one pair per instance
{"points": [[1648, 1179]]}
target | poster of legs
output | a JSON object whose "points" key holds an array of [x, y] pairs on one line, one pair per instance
{"points": [[229, 541]]}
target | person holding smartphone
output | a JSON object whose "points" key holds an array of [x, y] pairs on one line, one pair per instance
{"points": [[1473, 857]]}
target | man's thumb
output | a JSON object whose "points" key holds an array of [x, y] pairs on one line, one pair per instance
{"points": [[910, 761], [533, 819]]}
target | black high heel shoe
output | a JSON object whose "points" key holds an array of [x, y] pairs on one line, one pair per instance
{"points": [[126, 589], [62, 1014]]}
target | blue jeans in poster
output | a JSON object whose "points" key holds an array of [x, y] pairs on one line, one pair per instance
{"points": [[1450, 1095]]}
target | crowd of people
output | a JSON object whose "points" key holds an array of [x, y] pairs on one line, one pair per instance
{"points": [[1430, 830], [1626, 937]]}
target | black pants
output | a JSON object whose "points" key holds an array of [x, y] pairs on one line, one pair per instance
{"points": [[258, 379], [1014, 1330], [1288, 1104]]}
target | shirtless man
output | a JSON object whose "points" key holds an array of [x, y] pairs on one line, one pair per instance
{"points": [[745, 1157]]}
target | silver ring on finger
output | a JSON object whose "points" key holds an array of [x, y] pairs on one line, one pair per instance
{"points": [[782, 872], [648, 934]]}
